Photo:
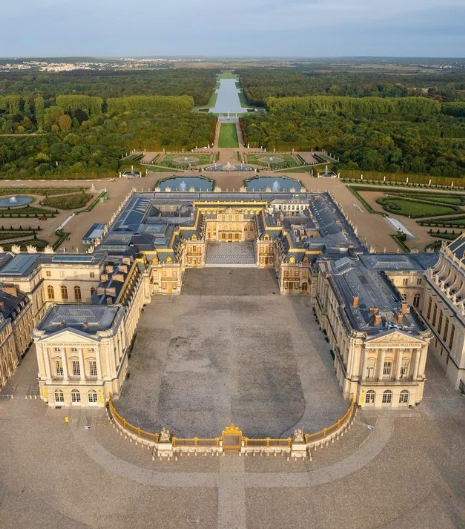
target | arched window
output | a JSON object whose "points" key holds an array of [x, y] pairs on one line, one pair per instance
{"points": [[387, 397], [92, 290], [50, 292], [416, 300], [77, 293], [92, 396], [75, 396], [370, 398], [403, 397], [64, 293], [59, 397]]}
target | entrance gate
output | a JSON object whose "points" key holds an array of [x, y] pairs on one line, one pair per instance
{"points": [[232, 439]]}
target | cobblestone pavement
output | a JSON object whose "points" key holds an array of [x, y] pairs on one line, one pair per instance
{"points": [[238, 353], [408, 472], [230, 253]]}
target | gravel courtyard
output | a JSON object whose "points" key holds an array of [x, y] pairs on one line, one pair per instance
{"points": [[230, 349]]}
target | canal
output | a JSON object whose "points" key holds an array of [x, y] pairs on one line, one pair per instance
{"points": [[228, 98]]}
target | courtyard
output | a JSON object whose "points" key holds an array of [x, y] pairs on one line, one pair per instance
{"points": [[230, 349]]}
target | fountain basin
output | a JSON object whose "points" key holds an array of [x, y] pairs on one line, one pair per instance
{"points": [[275, 184], [239, 167], [184, 184], [15, 201]]}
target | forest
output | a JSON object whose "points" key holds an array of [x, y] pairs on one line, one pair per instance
{"points": [[259, 84], [408, 135], [74, 135]]}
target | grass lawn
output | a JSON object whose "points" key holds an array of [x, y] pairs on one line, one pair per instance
{"points": [[399, 177], [227, 75], [304, 169], [73, 201], [414, 208], [175, 160], [243, 100], [42, 191], [282, 160], [228, 136], [38, 243], [5, 235], [27, 211]]}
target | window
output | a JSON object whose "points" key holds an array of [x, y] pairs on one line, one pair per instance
{"points": [[58, 368], [403, 397], [440, 322], [92, 396], [59, 397], [48, 273], [370, 398], [92, 368], [92, 290], [50, 292], [387, 369], [371, 371], [75, 396], [62, 274], [64, 293], [405, 282], [416, 300], [435, 314], [451, 339], [92, 275], [387, 397], [404, 368], [77, 293], [419, 281], [429, 307], [446, 328], [76, 368]]}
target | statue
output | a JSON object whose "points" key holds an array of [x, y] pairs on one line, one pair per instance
{"points": [[299, 436], [165, 436]]}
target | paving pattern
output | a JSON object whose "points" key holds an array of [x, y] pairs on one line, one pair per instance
{"points": [[230, 253], [229, 349]]}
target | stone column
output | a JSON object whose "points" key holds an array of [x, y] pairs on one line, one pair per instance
{"points": [[381, 357], [64, 361], [363, 354], [46, 360], [99, 366], [417, 362], [399, 364], [82, 365]]}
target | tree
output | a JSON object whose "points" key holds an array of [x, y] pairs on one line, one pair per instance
{"points": [[64, 122]]}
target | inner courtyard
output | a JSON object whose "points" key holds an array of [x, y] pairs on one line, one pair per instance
{"points": [[230, 349]]}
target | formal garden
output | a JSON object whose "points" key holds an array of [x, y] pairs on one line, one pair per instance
{"points": [[228, 136], [272, 160], [184, 160]]}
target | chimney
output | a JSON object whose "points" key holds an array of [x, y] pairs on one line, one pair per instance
{"points": [[374, 310], [85, 325], [2, 305], [355, 301], [404, 307], [109, 300], [104, 278], [62, 324], [377, 320], [399, 318], [109, 269]]}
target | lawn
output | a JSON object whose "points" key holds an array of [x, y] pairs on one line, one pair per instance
{"points": [[175, 160], [73, 201], [227, 75], [228, 136], [282, 160], [42, 191], [414, 208], [5, 235], [400, 178]]}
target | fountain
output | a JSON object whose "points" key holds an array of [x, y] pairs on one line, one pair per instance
{"points": [[15, 201], [228, 167], [276, 186], [182, 186]]}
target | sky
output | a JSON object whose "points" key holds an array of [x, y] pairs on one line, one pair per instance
{"points": [[257, 28]]}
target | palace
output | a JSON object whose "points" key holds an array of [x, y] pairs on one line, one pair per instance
{"points": [[374, 308]]}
